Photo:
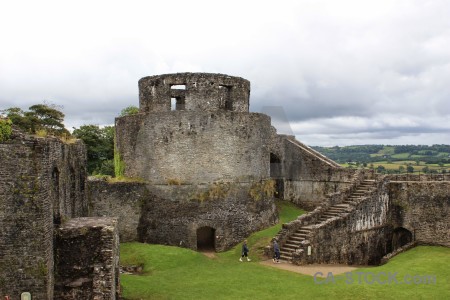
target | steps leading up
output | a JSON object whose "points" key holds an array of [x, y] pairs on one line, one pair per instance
{"points": [[295, 239]]}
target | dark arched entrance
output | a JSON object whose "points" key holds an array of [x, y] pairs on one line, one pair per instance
{"points": [[205, 238], [401, 237], [276, 174]]}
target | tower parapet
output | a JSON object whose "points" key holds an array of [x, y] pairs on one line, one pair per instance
{"points": [[193, 92]]}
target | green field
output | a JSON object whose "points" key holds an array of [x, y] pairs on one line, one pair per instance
{"points": [[178, 273]]}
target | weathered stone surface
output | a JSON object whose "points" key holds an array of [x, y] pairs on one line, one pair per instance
{"points": [[119, 199], [422, 208], [229, 218], [194, 91], [87, 259], [193, 146], [304, 176], [42, 181]]}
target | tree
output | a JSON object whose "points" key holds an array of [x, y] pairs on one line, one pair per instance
{"points": [[381, 169], [401, 169], [47, 117], [130, 110], [100, 148], [410, 169]]}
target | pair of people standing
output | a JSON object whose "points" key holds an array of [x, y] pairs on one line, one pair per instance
{"points": [[276, 249]]}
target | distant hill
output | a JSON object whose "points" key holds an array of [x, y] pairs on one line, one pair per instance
{"points": [[428, 159]]}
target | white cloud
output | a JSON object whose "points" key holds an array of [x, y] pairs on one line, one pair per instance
{"points": [[344, 71]]}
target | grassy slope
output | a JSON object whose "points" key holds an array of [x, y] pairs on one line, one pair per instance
{"points": [[177, 273]]}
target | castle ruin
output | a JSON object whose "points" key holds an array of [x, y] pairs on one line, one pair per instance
{"points": [[204, 174]]}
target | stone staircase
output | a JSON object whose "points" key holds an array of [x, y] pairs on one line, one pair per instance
{"points": [[295, 239]]}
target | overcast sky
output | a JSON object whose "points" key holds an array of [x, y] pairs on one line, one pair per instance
{"points": [[339, 72]]}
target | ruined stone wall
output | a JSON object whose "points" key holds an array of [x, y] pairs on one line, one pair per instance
{"points": [[194, 147], [194, 92], [41, 182], [122, 200], [306, 175], [362, 236], [87, 259], [232, 210], [172, 214], [423, 208]]}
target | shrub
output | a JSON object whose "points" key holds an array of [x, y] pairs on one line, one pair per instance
{"points": [[5, 129]]}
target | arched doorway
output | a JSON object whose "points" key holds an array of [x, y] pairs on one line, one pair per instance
{"points": [[205, 238], [276, 174], [401, 237]]}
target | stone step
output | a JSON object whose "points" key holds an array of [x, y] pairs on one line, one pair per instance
{"points": [[290, 248], [296, 238], [335, 210], [285, 257], [299, 236]]}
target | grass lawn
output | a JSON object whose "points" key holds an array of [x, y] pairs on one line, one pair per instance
{"points": [[178, 273]]}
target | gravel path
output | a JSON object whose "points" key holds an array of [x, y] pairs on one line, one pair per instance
{"points": [[310, 269]]}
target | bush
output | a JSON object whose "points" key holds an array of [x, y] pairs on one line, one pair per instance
{"points": [[5, 129]]}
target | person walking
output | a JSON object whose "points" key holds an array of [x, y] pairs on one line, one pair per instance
{"points": [[244, 251], [276, 249]]}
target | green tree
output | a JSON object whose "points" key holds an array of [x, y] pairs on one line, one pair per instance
{"points": [[130, 110], [381, 169], [401, 169], [100, 148], [48, 117], [410, 169], [5, 129]]}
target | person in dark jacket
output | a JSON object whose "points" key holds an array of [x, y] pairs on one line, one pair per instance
{"points": [[276, 249], [244, 251]]}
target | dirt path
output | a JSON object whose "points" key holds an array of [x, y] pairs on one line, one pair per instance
{"points": [[310, 269]]}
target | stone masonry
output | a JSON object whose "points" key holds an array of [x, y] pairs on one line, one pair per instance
{"points": [[42, 186]]}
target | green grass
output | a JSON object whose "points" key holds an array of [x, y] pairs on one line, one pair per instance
{"points": [[178, 273]]}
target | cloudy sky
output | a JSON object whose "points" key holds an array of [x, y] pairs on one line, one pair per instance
{"points": [[330, 72]]}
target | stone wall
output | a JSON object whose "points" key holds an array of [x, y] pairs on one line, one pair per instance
{"points": [[41, 183], [194, 147], [177, 214], [422, 208], [87, 259], [122, 200], [305, 176], [230, 211], [362, 236], [194, 92]]}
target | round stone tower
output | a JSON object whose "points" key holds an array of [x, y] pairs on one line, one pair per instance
{"points": [[205, 158], [194, 128]]}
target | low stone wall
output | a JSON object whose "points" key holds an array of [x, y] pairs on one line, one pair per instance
{"points": [[173, 214], [122, 200], [87, 259], [233, 214], [396, 252]]}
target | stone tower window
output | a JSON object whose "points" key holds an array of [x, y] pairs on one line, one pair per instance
{"points": [[178, 87], [225, 94], [177, 103]]}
